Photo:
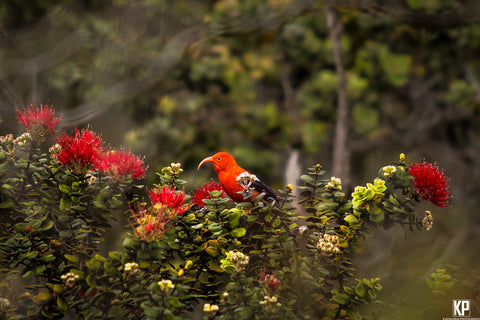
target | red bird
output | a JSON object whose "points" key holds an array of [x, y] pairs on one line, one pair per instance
{"points": [[237, 181]]}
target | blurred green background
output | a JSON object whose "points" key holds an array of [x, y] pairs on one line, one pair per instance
{"points": [[179, 80]]}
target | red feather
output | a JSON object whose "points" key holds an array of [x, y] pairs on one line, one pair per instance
{"points": [[228, 171]]}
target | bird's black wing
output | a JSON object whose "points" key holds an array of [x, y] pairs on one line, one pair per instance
{"points": [[270, 195]]}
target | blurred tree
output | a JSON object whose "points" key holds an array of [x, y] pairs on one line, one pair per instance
{"points": [[341, 149], [250, 75]]}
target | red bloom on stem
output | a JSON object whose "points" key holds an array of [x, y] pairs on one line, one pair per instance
{"points": [[431, 183], [168, 199], [81, 151], [121, 164], [204, 192], [148, 225], [151, 221], [271, 281], [39, 121]]}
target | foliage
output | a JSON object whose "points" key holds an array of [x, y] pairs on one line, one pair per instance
{"points": [[236, 261]]}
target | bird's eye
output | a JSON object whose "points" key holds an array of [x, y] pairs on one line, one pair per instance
{"points": [[219, 158]]}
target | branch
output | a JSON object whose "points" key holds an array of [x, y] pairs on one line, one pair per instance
{"points": [[464, 13], [172, 54]]}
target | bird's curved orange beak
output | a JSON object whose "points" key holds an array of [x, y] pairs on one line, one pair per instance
{"points": [[207, 159]]}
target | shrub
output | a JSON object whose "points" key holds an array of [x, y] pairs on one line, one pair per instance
{"points": [[184, 254]]}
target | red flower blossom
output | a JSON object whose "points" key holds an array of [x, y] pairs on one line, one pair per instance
{"points": [[151, 221], [203, 192], [271, 281], [121, 164], [431, 183], [81, 151], [39, 121], [148, 225], [169, 199]]}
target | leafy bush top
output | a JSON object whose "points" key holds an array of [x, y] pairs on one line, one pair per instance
{"points": [[184, 254]]}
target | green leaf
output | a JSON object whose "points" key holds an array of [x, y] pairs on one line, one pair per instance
{"points": [[343, 243], [142, 254], [360, 290], [114, 255], [234, 220], [58, 288], [351, 219], [64, 189], [6, 204], [109, 267], [48, 258], [175, 302], [93, 264], [39, 270], [340, 298], [91, 280], [75, 186], [78, 208], [353, 314], [214, 267], [47, 226], [376, 215], [276, 223], [99, 204], [71, 258], [151, 312], [347, 206], [306, 178], [212, 250], [65, 204], [348, 290], [115, 203], [62, 304], [4, 166], [46, 313], [244, 313], [238, 232], [43, 296]]}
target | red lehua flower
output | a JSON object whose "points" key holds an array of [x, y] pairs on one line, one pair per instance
{"points": [[80, 151], [39, 122], [33, 117], [151, 221], [203, 192], [431, 183], [148, 225], [270, 280], [168, 198], [121, 164]]}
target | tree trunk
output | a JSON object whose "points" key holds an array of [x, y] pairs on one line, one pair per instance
{"points": [[341, 150]]}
